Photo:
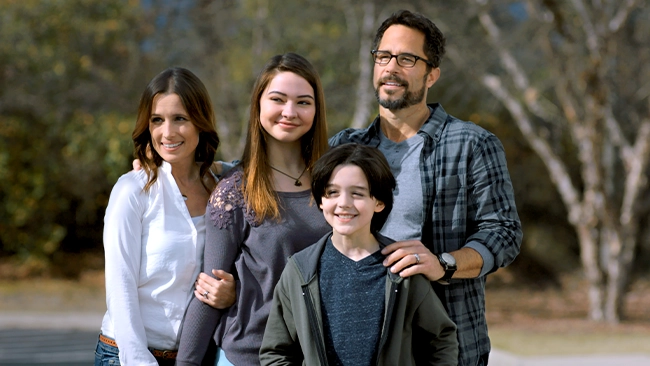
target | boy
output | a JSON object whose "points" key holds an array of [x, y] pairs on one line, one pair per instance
{"points": [[335, 303]]}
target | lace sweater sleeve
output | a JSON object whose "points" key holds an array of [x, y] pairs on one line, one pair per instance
{"points": [[225, 232]]}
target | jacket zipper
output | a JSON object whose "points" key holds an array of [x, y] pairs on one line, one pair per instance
{"points": [[313, 324], [389, 317]]}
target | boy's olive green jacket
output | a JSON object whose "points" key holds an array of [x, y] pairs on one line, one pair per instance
{"points": [[416, 329]]}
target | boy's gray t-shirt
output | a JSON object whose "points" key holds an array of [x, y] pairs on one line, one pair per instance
{"points": [[405, 220]]}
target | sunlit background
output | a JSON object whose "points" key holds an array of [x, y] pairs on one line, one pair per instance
{"points": [[565, 85]]}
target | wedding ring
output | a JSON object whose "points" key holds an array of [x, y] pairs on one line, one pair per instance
{"points": [[205, 294], [417, 258]]}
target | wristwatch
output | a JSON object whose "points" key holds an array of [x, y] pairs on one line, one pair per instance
{"points": [[448, 263]]}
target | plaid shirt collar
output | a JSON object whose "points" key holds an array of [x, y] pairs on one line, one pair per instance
{"points": [[432, 127]]}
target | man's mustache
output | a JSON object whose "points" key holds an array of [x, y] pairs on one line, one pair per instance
{"points": [[394, 78]]}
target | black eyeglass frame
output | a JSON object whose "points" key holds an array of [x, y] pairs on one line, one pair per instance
{"points": [[374, 58]]}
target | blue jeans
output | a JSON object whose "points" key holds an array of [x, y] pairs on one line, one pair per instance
{"points": [[106, 355]]}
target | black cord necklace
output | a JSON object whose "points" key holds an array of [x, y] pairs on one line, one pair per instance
{"points": [[297, 182], [179, 187]]}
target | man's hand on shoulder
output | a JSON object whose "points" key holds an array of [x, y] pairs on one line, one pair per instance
{"points": [[411, 257]]}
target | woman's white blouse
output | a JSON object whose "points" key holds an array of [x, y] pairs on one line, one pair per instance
{"points": [[153, 252]]}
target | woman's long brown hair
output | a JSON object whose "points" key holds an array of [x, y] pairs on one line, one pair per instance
{"points": [[258, 190], [197, 103]]}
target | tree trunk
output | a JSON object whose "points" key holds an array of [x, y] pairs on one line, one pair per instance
{"points": [[589, 258], [364, 93]]}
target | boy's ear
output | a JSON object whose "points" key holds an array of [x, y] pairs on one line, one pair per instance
{"points": [[379, 206]]}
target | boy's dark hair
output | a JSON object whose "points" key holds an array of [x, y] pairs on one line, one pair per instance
{"points": [[434, 40], [374, 165]]}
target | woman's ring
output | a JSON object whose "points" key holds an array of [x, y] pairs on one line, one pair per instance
{"points": [[205, 294], [417, 258]]}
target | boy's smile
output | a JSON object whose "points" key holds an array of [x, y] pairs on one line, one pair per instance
{"points": [[347, 204]]}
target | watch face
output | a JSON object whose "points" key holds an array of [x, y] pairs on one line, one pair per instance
{"points": [[449, 259]]}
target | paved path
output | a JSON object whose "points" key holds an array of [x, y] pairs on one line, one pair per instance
{"points": [[47, 347], [70, 339], [55, 339]]}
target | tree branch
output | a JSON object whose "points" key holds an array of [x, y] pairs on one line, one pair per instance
{"points": [[636, 178], [621, 16], [589, 29], [559, 173], [616, 134], [509, 63], [512, 67]]}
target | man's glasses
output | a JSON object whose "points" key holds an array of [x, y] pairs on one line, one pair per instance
{"points": [[403, 59]]}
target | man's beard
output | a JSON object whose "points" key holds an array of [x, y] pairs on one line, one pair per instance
{"points": [[408, 99]]}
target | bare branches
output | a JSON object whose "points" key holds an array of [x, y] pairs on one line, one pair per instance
{"points": [[509, 62], [621, 16], [589, 29], [636, 179], [581, 55], [556, 167], [512, 67], [615, 133]]}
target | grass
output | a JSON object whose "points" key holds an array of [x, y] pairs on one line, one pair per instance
{"points": [[528, 322], [534, 342]]}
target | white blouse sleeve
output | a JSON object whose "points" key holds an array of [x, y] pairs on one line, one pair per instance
{"points": [[123, 250]]}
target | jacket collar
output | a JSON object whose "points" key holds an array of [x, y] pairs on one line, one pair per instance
{"points": [[307, 260]]}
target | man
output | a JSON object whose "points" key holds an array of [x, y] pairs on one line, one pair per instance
{"points": [[458, 221]]}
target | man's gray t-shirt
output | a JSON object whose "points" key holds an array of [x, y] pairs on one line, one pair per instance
{"points": [[405, 220]]}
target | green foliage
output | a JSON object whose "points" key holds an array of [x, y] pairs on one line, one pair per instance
{"points": [[64, 138], [71, 72]]}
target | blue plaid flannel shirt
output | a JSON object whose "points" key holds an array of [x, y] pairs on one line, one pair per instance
{"points": [[468, 201]]}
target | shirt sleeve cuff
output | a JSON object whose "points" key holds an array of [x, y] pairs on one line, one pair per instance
{"points": [[484, 252]]}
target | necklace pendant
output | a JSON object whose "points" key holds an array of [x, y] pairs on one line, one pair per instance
{"points": [[297, 181]]}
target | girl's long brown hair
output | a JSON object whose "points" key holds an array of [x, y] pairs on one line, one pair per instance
{"points": [[196, 100], [259, 194]]}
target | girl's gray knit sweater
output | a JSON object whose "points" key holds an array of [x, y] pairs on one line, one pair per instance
{"points": [[256, 254]]}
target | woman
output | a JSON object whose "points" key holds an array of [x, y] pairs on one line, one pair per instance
{"points": [[154, 229], [261, 211]]}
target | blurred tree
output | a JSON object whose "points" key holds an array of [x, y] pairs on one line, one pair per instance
{"points": [[71, 73], [66, 74], [231, 40], [564, 72], [362, 24]]}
